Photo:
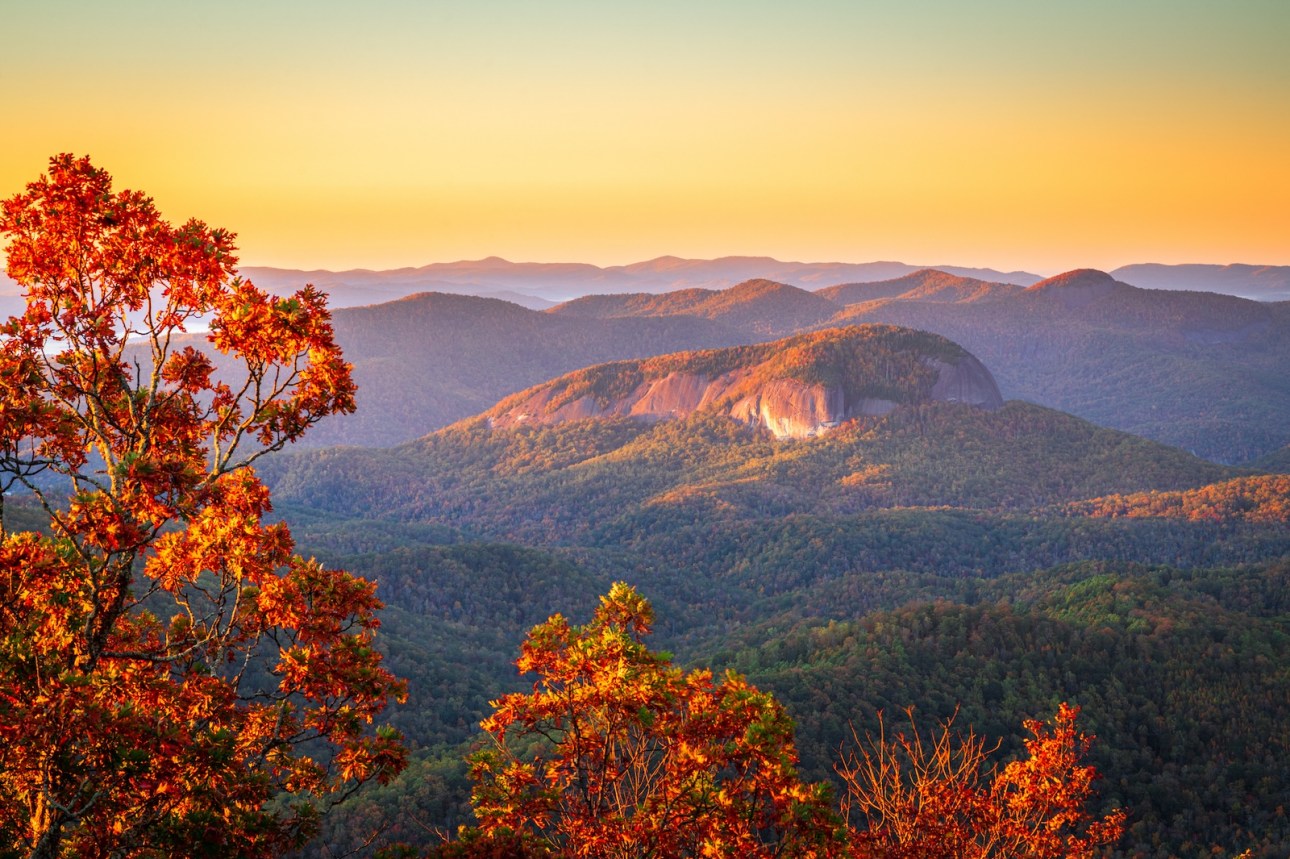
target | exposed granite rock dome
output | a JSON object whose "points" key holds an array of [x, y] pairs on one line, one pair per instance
{"points": [[795, 388]]}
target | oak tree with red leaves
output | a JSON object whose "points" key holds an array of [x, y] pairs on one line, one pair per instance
{"points": [[174, 680], [618, 753]]}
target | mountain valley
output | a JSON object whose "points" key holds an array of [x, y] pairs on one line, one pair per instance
{"points": [[989, 558]]}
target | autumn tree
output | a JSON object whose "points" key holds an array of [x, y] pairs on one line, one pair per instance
{"points": [[616, 752], [911, 796], [174, 680]]}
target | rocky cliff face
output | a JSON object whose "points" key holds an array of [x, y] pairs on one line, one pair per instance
{"points": [[965, 381], [796, 388]]}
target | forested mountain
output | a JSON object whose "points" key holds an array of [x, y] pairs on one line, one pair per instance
{"points": [[796, 388], [935, 556]]}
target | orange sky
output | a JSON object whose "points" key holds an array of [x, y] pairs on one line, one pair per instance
{"points": [[1028, 135]]}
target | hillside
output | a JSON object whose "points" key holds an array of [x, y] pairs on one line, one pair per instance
{"points": [[1196, 370], [796, 388], [428, 360], [1264, 498], [924, 285], [758, 307]]}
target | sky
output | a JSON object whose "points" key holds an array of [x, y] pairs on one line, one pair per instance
{"points": [[1014, 134]]}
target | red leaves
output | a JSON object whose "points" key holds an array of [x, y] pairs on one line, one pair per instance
{"points": [[122, 731], [1042, 798], [639, 758], [616, 752], [912, 796]]}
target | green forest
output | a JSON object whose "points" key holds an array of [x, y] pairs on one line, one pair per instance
{"points": [[942, 557]]}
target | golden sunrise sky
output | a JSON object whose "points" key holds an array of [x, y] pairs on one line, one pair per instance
{"points": [[1003, 133]]}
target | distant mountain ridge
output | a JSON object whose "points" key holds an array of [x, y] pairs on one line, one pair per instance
{"points": [[538, 285], [1260, 282], [1198, 370], [541, 285]]}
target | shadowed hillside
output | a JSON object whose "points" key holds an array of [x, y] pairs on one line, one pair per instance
{"points": [[1198, 370], [428, 360]]}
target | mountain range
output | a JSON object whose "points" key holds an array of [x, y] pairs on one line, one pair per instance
{"points": [[866, 496], [538, 285], [1198, 370]]}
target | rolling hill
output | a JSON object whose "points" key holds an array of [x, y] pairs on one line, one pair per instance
{"points": [[887, 405], [925, 285], [759, 307]]}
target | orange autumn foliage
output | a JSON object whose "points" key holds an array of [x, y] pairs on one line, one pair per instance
{"points": [[916, 797], [173, 679], [1258, 498], [618, 753]]}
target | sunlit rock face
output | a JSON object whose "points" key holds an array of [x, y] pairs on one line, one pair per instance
{"points": [[784, 387], [680, 394], [791, 409], [786, 407]]}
